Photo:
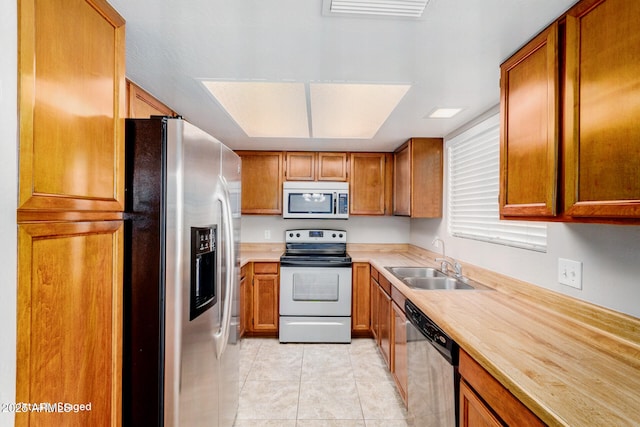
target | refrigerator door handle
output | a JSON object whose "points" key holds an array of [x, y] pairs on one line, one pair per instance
{"points": [[221, 337]]}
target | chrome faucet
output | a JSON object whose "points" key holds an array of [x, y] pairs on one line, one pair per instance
{"points": [[445, 264]]}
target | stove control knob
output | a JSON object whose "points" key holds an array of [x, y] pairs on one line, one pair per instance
{"points": [[297, 234], [341, 235], [290, 234], [333, 235]]}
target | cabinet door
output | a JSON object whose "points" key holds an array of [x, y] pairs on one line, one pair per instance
{"points": [[384, 328], [473, 412], [142, 105], [374, 293], [368, 184], [261, 182], [69, 346], [72, 105], [402, 180], [246, 303], [529, 87], [494, 395], [426, 177], [301, 166], [400, 368], [361, 300], [332, 166], [602, 126], [266, 283]]}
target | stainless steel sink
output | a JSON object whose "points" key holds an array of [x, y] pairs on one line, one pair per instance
{"points": [[403, 272], [435, 283], [427, 278]]}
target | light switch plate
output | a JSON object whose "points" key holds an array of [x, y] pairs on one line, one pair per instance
{"points": [[570, 273], [267, 234]]}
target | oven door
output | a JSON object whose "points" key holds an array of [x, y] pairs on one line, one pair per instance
{"points": [[315, 291]]}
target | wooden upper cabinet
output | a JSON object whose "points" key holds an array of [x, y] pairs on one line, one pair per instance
{"points": [[332, 166], [529, 128], [417, 178], [71, 106], [370, 181], [301, 166], [142, 105], [601, 110], [316, 166], [402, 180], [262, 173], [587, 64]]}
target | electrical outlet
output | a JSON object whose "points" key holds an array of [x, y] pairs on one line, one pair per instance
{"points": [[570, 273], [267, 234]]}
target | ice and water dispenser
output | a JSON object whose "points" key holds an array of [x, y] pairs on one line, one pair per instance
{"points": [[203, 270]]}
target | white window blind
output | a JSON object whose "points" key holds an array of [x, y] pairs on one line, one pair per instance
{"points": [[474, 174]]}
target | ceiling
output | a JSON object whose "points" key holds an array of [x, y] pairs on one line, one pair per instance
{"points": [[450, 57]]}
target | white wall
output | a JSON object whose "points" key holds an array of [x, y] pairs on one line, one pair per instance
{"points": [[360, 229], [610, 255], [8, 203]]}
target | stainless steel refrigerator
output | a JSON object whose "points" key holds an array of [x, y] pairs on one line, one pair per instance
{"points": [[181, 311]]}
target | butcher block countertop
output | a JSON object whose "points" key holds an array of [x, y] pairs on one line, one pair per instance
{"points": [[570, 362]]}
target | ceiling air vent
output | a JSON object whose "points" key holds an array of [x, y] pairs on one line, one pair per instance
{"points": [[395, 8]]}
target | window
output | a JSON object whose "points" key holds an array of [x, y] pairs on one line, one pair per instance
{"points": [[474, 183]]}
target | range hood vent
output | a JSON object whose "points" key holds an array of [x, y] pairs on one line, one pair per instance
{"points": [[411, 9]]}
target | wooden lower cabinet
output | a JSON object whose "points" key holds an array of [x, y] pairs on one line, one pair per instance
{"points": [[381, 314], [473, 411], [264, 298], [486, 402], [244, 297], [373, 294], [384, 325], [399, 368], [69, 333], [361, 300]]}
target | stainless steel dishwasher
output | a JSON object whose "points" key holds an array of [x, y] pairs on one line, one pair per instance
{"points": [[433, 383]]}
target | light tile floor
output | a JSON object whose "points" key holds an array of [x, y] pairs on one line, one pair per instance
{"points": [[316, 385]]}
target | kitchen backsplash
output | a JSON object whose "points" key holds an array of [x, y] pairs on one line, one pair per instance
{"points": [[361, 229]]}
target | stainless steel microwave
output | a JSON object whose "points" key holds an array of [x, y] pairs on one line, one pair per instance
{"points": [[315, 199]]}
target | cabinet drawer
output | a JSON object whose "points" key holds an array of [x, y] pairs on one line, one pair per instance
{"points": [[374, 274], [385, 284], [265, 268]]}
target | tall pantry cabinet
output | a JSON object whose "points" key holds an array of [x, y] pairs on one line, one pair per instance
{"points": [[70, 203]]}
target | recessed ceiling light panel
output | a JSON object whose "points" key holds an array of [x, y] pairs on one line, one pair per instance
{"points": [[264, 109], [443, 113], [352, 110]]}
